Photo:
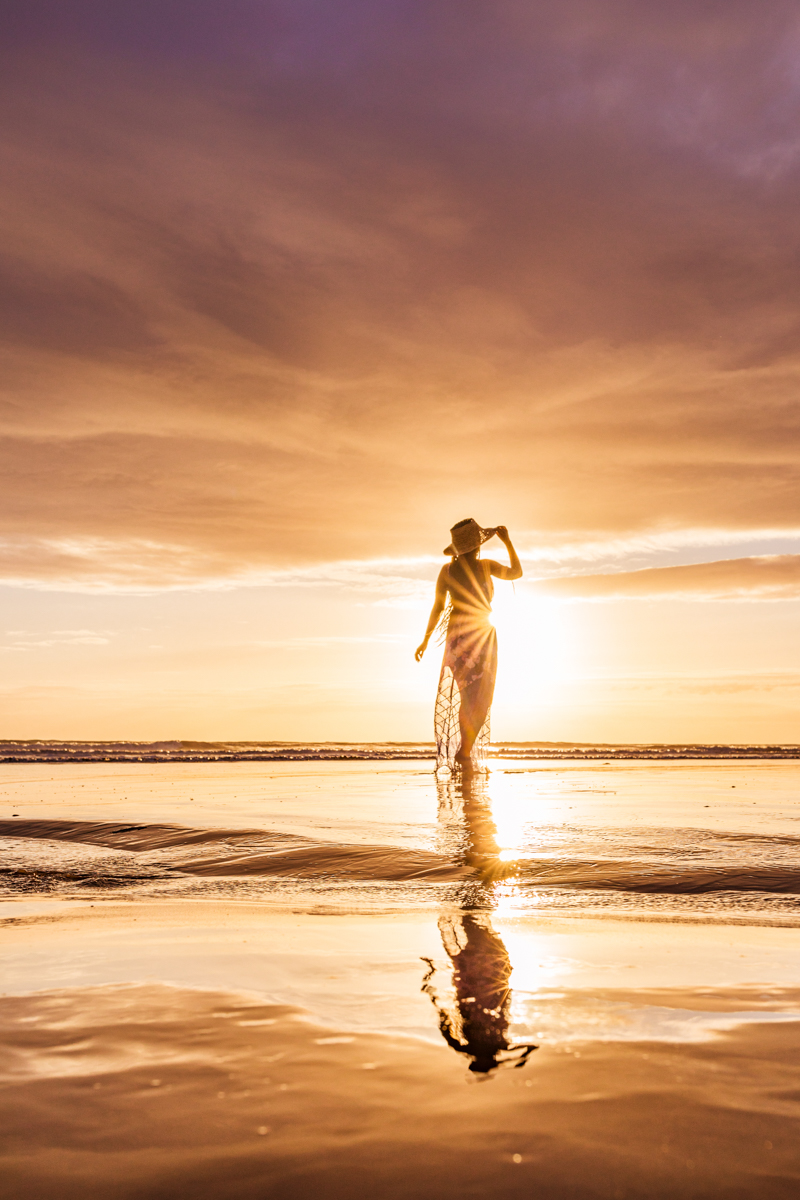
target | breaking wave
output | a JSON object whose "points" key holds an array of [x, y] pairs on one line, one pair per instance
{"points": [[179, 751]]}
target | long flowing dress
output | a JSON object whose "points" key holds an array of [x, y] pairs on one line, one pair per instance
{"points": [[469, 665]]}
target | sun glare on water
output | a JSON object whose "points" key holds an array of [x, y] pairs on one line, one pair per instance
{"points": [[518, 811]]}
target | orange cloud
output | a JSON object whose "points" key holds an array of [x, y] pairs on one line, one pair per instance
{"points": [[766, 577], [311, 283]]}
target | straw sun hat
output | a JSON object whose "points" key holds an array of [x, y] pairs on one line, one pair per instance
{"points": [[468, 535]]}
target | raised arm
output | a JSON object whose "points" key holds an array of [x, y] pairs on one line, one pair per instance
{"points": [[497, 569], [438, 608]]}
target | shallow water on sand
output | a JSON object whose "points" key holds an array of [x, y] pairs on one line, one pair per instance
{"points": [[590, 878], [682, 839]]}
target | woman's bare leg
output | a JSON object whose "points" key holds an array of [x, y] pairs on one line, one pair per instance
{"points": [[471, 718], [475, 701], [468, 735]]}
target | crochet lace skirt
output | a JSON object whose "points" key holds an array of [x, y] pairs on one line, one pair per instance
{"points": [[466, 688]]}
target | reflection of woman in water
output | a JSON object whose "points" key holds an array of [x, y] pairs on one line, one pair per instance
{"points": [[476, 1022], [466, 683]]}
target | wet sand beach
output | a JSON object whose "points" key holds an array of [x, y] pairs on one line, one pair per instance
{"points": [[342, 978], [155, 1091]]}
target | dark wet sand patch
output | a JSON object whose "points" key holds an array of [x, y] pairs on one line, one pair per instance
{"points": [[124, 836], [327, 859], [633, 876], [248, 851], [254, 852]]}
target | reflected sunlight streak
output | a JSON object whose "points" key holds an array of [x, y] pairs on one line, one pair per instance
{"points": [[516, 816]]}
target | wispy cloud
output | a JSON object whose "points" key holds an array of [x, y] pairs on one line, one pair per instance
{"points": [[768, 577], [24, 640], [295, 643], [96, 565]]}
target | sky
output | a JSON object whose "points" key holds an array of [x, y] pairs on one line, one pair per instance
{"points": [[289, 288]]}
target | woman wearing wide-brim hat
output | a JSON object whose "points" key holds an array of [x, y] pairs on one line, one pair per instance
{"points": [[469, 666]]}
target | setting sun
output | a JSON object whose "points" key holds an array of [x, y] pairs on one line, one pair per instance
{"points": [[540, 642]]}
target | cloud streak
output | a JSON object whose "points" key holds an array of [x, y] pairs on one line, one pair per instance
{"points": [[766, 577]]}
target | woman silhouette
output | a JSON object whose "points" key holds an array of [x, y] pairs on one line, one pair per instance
{"points": [[463, 601]]}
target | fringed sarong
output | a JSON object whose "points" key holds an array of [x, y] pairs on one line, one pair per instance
{"points": [[466, 688]]}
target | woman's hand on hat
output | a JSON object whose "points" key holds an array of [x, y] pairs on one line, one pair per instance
{"points": [[502, 533]]}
